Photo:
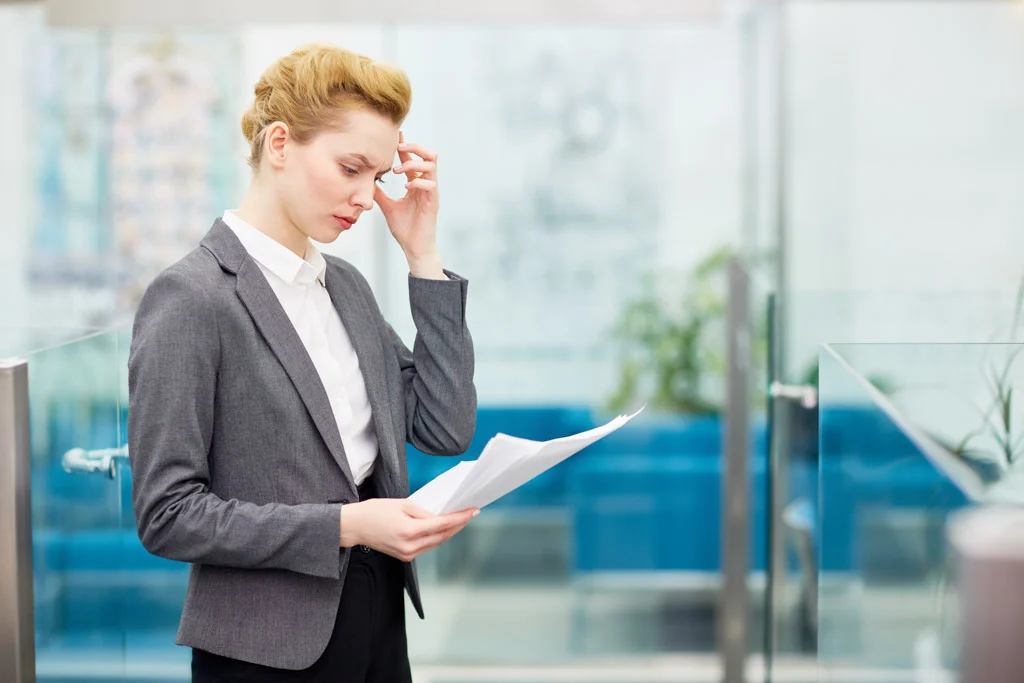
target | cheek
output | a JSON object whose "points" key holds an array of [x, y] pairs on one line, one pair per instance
{"points": [[325, 184]]}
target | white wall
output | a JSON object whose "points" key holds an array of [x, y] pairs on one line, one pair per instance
{"points": [[29, 319], [553, 238], [907, 145], [906, 157], [905, 151], [17, 23]]}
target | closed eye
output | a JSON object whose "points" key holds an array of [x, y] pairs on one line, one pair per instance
{"points": [[352, 171]]}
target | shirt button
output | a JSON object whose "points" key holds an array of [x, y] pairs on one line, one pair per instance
{"points": [[365, 548]]}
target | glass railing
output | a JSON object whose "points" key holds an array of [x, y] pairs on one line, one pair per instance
{"points": [[619, 551], [26, 340], [909, 434], [622, 548], [616, 555], [852, 318], [96, 592]]}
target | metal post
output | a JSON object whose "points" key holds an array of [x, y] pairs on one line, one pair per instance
{"points": [[780, 441], [17, 631], [775, 571], [781, 176], [733, 613]]}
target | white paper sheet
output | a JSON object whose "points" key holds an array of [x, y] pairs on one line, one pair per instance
{"points": [[506, 463]]}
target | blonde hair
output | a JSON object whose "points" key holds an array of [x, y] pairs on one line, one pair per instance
{"points": [[310, 89]]}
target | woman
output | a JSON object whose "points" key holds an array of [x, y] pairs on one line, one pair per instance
{"points": [[270, 402]]}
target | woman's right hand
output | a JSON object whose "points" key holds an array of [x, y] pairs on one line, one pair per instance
{"points": [[398, 527]]}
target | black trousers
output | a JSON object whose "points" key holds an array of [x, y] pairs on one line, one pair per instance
{"points": [[368, 644]]}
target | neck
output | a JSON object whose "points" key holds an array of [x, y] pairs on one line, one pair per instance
{"points": [[260, 209]]}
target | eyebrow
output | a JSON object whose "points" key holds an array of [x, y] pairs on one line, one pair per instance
{"points": [[366, 162]]}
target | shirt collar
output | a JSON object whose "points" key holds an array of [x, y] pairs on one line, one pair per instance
{"points": [[277, 258]]}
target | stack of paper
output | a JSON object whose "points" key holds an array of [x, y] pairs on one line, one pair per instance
{"points": [[506, 463]]}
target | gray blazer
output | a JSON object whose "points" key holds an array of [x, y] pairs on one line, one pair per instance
{"points": [[238, 464]]}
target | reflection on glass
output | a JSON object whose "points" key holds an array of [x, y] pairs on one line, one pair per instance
{"points": [[595, 288], [618, 549], [958, 402], [80, 584], [25, 340], [910, 433], [597, 285], [949, 379]]}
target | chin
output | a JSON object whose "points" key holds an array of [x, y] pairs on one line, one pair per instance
{"points": [[324, 235]]}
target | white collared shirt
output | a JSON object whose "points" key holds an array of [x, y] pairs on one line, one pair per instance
{"points": [[300, 286]]}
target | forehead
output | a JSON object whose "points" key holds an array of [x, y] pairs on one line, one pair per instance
{"points": [[365, 136]]}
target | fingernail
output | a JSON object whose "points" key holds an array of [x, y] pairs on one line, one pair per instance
{"points": [[398, 168], [476, 512], [403, 144]]}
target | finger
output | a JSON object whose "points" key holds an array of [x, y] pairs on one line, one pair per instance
{"points": [[451, 532], [457, 520], [430, 542], [453, 522], [413, 510], [437, 525], [421, 184], [465, 516], [403, 155], [441, 539], [383, 200], [419, 150], [415, 168]]}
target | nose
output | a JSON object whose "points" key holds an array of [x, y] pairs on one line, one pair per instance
{"points": [[363, 197]]}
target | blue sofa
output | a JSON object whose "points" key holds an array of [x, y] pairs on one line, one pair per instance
{"points": [[647, 498]]}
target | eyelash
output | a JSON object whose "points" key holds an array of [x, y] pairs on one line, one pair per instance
{"points": [[352, 171]]}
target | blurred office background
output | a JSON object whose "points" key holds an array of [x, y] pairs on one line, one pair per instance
{"points": [[630, 189]]}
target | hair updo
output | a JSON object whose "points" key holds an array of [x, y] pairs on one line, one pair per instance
{"points": [[310, 89]]}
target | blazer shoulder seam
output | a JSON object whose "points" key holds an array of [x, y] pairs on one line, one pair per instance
{"points": [[177, 272]]}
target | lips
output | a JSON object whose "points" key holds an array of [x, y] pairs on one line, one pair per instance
{"points": [[345, 222]]}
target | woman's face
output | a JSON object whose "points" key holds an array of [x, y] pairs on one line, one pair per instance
{"points": [[326, 184]]}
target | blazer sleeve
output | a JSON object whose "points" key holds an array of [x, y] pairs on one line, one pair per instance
{"points": [[172, 383], [437, 374]]}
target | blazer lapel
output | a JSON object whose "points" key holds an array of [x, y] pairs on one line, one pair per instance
{"points": [[362, 328], [284, 341]]}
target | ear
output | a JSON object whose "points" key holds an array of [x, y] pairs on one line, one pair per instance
{"points": [[275, 143]]}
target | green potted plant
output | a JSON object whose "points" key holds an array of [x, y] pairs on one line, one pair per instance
{"points": [[673, 347]]}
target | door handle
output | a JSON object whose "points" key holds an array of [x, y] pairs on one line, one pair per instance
{"points": [[806, 395], [102, 461]]}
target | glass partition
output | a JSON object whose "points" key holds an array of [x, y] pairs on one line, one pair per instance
{"points": [[807, 320], [618, 553], [24, 340], [597, 285], [81, 519], [592, 291], [152, 588], [909, 434]]}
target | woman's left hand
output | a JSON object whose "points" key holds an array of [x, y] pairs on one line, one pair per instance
{"points": [[413, 218]]}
